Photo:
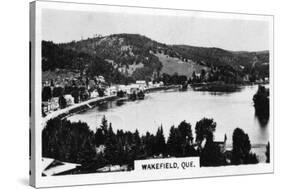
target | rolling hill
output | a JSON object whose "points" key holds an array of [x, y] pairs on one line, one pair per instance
{"points": [[137, 57]]}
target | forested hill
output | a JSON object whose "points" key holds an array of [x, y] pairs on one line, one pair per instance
{"points": [[138, 57]]}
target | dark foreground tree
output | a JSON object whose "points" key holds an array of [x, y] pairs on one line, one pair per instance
{"points": [[267, 153], [180, 141], [160, 142], [46, 93], [186, 132], [241, 148], [205, 129], [211, 155], [69, 142], [62, 102], [174, 145]]}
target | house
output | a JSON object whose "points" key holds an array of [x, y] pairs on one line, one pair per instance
{"points": [[69, 99], [141, 84], [54, 104], [94, 94], [113, 168], [121, 88], [133, 88], [221, 143], [111, 91], [53, 167], [150, 84]]}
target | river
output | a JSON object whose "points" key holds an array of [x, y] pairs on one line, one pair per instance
{"points": [[229, 111]]}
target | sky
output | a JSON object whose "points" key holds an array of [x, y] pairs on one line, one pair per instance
{"points": [[231, 34]]}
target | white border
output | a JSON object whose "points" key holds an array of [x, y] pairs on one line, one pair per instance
{"points": [[102, 178]]}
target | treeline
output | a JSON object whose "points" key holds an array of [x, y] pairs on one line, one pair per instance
{"points": [[76, 143], [174, 79], [261, 103]]}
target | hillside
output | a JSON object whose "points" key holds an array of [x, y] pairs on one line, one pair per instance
{"points": [[172, 65], [121, 57]]}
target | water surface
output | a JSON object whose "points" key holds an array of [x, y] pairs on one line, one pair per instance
{"points": [[229, 111]]}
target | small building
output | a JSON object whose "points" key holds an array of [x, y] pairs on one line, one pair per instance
{"points": [[141, 84], [94, 94], [221, 143], [53, 167], [121, 88], [133, 88], [150, 84], [111, 91], [54, 104], [161, 83], [69, 99], [113, 168]]}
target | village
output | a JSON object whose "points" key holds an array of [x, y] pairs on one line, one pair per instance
{"points": [[67, 92]]}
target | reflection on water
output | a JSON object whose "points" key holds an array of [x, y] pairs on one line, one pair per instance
{"points": [[262, 121], [229, 110]]}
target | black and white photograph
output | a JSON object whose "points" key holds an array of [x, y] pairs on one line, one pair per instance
{"points": [[137, 92]]}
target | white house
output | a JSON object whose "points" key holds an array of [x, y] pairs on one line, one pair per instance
{"points": [[141, 84], [69, 99], [94, 94]]}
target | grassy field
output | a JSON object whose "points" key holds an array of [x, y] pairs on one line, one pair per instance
{"points": [[175, 65]]}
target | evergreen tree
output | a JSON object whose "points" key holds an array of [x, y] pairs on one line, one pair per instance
{"points": [[70, 142], [100, 137], [241, 147], [160, 143], [62, 102], [46, 93], [111, 150], [148, 141], [174, 145]]}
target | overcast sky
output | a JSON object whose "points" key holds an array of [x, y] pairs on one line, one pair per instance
{"points": [[239, 35]]}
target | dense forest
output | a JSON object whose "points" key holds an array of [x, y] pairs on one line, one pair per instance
{"points": [[75, 142]]}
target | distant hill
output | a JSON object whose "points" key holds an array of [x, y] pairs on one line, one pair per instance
{"points": [[139, 57]]}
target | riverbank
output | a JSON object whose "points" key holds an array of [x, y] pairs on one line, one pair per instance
{"points": [[89, 104], [216, 87], [155, 89], [222, 87]]}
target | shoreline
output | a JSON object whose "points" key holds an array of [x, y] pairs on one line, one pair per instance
{"points": [[77, 108], [89, 104], [257, 148]]}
